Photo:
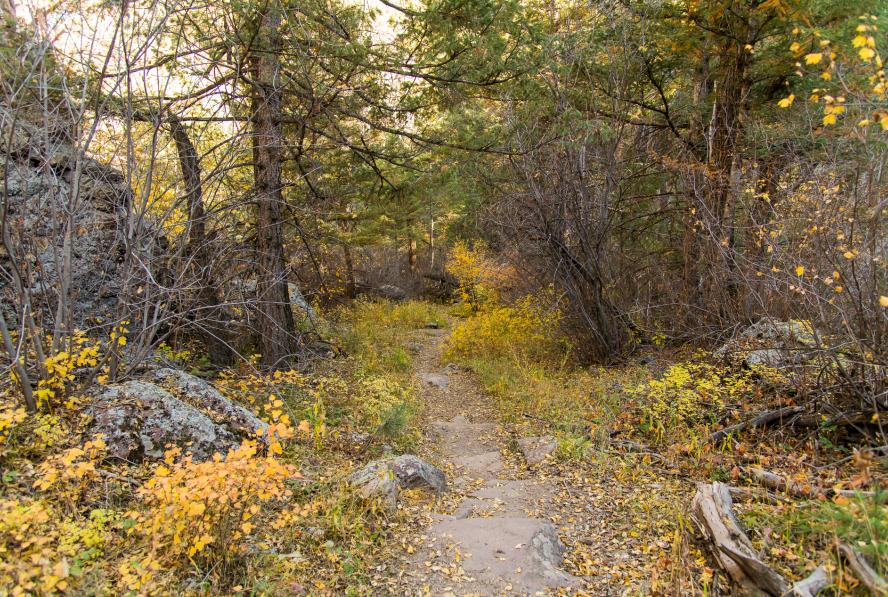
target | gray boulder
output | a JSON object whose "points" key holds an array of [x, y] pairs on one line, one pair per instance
{"points": [[412, 472], [377, 480], [392, 292], [383, 479], [42, 176], [139, 419], [204, 394], [771, 342]]}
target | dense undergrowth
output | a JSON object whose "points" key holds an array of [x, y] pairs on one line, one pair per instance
{"points": [[274, 519], [654, 416], [281, 520]]}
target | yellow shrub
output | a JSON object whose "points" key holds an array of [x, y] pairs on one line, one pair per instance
{"points": [[11, 416], [62, 366], [70, 472], [690, 391], [522, 331], [480, 278], [30, 562], [203, 513]]}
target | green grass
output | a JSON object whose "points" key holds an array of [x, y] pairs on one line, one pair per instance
{"points": [[377, 333]]}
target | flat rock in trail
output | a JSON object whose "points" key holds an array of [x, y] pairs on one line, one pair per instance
{"points": [[437, 380], [522, 552], [461, 438], [503, 498], [484, 465]]}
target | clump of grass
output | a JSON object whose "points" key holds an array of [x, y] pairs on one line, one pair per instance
{"points": [[376, 333], [803, 532]]}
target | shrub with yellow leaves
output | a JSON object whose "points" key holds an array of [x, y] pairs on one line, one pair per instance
{"points": [[523, 330], [690, 391], [480, 278], [41, 551], [61, 369], [70, 472], [845, 68], [29, 560], [190, 506]]}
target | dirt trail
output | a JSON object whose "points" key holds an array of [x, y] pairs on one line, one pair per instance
{"points": [[489, 535]]}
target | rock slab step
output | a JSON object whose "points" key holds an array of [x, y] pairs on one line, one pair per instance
{"points": [[522, 552]]}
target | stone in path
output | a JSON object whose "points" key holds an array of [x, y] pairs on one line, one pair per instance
{"points": [[514, 554], [383, 479], [436, 380], [537, 449]]}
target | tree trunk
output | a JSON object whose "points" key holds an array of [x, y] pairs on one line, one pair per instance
{"points": [[197, 252], [277, 330], [351, 287]]}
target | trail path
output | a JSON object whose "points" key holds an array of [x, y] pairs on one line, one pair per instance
{"points": [[490, 534]]}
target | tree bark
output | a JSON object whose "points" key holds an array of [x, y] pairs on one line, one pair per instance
{"points": [[197, 252], [351, 287], [277, 330]]}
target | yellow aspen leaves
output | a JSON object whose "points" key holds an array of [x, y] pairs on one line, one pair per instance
{"points": [[786, 102]]}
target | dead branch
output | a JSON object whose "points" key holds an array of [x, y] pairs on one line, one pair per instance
{"points": [[813, 584], [761, 420], [845, 418], [712, 511]]}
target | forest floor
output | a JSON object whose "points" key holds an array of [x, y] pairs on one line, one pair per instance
{"points": [[504, 523]]}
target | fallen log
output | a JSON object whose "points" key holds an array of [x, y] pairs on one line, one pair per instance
{"points": [[745, 495], [863, 571], [761, 420], [712, 511], [813, 584], [775, 482]]}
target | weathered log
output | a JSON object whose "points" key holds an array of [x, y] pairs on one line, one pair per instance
{"points": [[713, 513], [761, 420], [863, 571], [777, 483], [813, 584], [764, 577]]}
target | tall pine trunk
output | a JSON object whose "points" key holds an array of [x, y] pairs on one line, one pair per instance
{"points": [[277, 330]]}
